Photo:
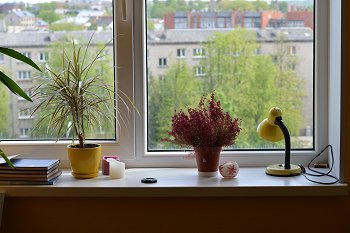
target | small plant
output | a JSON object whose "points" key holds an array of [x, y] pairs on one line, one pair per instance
{"points": [[206, 126], [72, 100]]}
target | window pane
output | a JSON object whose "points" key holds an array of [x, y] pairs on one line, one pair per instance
{"points": [[41, 30], [260, 55]]}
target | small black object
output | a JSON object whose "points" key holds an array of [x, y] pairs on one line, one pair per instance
{"points": [[149, 180], [302, 168]]}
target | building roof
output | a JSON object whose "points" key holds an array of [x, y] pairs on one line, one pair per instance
{"points": [[23, 13], [90, 13], [192, 36], [44, 38]]}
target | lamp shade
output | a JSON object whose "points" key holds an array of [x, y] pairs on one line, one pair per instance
{"points": [[268, 130]]}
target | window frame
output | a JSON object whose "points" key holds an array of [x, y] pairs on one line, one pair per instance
{"points": [[244, 158], [130, 58]]}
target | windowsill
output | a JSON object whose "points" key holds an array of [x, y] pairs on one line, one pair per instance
{"points": [[177, 182]]}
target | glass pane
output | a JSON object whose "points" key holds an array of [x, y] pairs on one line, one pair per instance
{"points": [[255, 55], [41, 30]]}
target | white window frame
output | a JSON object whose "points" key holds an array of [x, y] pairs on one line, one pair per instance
{"points": [[24, 75], [198, 52], [199, 71], [180, 53], [130, 60], [43, 56], [25, 114], [162, 62]]}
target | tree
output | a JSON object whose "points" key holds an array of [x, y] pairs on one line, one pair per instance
{"points": [[176, 89], [66, 27], [248, 84], [49, 16]]}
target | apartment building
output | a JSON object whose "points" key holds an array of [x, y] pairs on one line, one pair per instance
{"points": [[166, 47]]}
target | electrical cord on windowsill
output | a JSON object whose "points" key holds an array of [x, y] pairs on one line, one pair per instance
{"points": [[318, 173]]}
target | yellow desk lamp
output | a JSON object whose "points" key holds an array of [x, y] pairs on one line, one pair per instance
{"points": [[274, 130]]}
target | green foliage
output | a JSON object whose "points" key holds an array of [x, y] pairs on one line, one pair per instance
{"points": [[175, 90], [247, 84], [49, 16], [159, 8], [243, 5], [77, 96], [66, 27]]}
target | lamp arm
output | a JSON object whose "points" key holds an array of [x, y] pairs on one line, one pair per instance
{"points": [[286, 135]]}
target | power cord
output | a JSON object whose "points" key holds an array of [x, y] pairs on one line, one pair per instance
{"points": [[318, 173]]}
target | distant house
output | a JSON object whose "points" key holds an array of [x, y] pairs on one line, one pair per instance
{"points": [[90, 14], [103, 22], [7, 7], [20, 18], [300, 19]]}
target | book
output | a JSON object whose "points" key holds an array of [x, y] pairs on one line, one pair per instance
{"points": [[22, 182], [32, 177], [30, 174], [31, 164]]}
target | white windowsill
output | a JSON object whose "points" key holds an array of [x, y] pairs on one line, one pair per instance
{"points": [[178, 182]]}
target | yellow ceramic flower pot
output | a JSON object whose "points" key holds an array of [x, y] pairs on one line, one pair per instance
{"points": [[85, 162]]}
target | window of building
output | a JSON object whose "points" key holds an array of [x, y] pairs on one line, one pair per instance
{"points": [[24, 114], [293, 50], [24, 75], [162, 62], [181, 53], [24, 132], [198, 52], [199, 71], [43, 56]]}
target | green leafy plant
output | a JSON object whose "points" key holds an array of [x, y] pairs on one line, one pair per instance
{"points": [[12, 85], [74, 99]]}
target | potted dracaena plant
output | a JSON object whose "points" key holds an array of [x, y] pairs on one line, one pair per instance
{"points": [[206, 129], [77, 101], [12, 85]]}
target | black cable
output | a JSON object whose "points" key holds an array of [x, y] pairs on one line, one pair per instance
{"points": [[318, 173]]}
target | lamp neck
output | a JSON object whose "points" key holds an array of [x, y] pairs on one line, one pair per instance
{"points": [[286, 135]]}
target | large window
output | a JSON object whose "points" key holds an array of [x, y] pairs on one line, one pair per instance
{"points": [[251, 67], [259, 67]]}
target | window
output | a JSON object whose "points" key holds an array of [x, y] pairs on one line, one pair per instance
{"points": [[229, 59], [293, 50], [198, 52], [199, 71], [162, 62], [43, 56], [181, 53], [29, 93], [132, 65], [24, 132], [24, 75], [25, 114]]}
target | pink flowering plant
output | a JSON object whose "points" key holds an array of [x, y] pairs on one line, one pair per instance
{"points": [[204, 126]]}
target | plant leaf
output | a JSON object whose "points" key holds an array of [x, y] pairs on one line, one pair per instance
{"points": [[12, 86], [18, 56], [3, 155]]}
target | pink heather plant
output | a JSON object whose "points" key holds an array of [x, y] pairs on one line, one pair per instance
{"points": [[204, 126]]}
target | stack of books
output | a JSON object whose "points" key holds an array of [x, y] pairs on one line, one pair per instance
{"points": [[30, 171]]}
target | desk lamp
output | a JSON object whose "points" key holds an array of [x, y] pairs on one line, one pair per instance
{"points": [[273, 129]]}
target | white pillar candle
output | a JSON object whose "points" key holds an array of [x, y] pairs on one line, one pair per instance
{"points": [[116, 168]]}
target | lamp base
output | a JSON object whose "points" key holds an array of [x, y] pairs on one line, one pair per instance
{"points": [[279, 170]]}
